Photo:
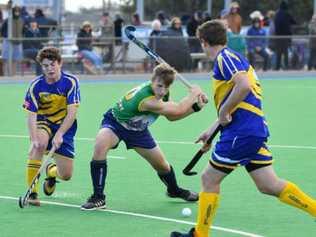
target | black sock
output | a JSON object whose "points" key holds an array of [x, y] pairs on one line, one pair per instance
{"points": [[169, 179], [98, 169]]}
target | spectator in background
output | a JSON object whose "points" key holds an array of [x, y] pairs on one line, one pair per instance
{"points": [[156, 32], [161, 16], [16, 42], [118, 24], [136, 20], [257, 42], [84, 43], [283, 22], [176, 51], [206, 16], [234, 19], [25, 15], [194, 22], [46, 25], [312, 44], [106, 38], [235, 41], [32, 44]]}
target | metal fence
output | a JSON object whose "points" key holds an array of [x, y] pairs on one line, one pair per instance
{"points": [[184, 53]]}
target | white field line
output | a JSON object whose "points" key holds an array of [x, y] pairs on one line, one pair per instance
{"points": [[238, 232], [168, 142]]}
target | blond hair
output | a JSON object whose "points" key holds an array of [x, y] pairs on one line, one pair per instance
{"points": [[165, 73]]}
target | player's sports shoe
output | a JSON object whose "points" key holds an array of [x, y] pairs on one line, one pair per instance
{"points": [[34, 200], [178, 234], [49, 184], [94, 202], [186, 195]]}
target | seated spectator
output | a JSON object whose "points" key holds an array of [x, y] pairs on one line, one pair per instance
{"points": [[84, 43], [32, 44], [256, 41]]}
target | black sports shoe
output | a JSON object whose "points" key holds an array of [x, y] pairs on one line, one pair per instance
{"points": [[49, 184], [186, 195], [178, 234], [93, 203]]}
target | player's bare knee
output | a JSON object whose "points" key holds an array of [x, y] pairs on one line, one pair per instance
{"points": [[65, 176], [268, 189]]}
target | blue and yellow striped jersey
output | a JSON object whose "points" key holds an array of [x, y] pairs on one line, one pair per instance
{"points": [[248, 117], [50, 101]]}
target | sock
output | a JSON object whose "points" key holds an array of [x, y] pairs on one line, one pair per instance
{"points": [[98, 169], [294, 196], [52, 172], [208, 203], [169, 179], [31, 170]]}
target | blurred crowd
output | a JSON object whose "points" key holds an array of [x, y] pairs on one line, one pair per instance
{"points": [[267, 42]]}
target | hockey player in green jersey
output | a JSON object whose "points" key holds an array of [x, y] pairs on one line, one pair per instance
{"points": [[129, 119]]}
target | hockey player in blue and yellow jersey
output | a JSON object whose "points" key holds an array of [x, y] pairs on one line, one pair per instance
{"points": [[237, 97], [52, 100]]}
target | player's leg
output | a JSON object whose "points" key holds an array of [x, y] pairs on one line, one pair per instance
{"points": [[62, 169], [157, 160], [269, 183], [105, 140], [34, 163], [208, 202]]}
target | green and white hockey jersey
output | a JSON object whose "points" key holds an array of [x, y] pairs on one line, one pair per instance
{"points": [[127, 112]]}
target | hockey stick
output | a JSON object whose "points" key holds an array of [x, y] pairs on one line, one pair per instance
{"points": [[129, 33], [23, 200], [187, 170]]}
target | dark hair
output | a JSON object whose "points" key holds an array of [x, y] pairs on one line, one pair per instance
{"points": [[213, 32], [165, 73], [50, 53]]}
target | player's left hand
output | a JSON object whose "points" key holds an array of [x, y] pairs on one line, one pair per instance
{"points": [[201, 100]]}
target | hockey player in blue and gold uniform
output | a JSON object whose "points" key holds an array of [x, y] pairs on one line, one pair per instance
{"points": [[237, 97], [52, 100]]}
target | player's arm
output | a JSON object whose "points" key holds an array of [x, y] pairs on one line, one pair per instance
{"points": [[172, 110], [31, 124], [65, 125], [239, 92]]}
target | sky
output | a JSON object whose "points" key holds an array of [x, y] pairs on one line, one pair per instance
{"points": [[74, 5]]}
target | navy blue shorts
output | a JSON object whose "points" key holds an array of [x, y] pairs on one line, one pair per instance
{"points": [[67, 148], [142, 139], [241, 151]]}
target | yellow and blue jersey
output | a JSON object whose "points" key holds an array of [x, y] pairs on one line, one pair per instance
{"points": [[247, 118], [50, 101]]}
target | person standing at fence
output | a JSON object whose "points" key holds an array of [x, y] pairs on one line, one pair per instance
{"points": [[283, 22], [15, 44], [312, 44], [107, 37], [32, 44], [244, 134]]}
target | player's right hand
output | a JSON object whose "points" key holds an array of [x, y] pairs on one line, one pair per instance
{"points": [[203, 138]]}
